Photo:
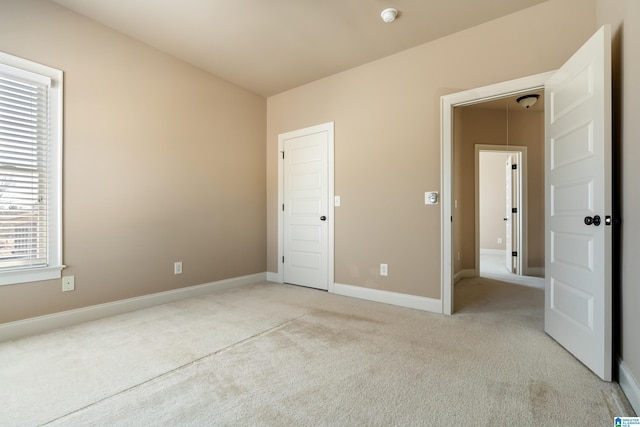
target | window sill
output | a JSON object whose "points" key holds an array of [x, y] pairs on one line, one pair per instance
{"points": [[13, 277]]}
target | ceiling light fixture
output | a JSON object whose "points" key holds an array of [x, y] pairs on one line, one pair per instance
{"points": [[389, 14], [528, 100]]}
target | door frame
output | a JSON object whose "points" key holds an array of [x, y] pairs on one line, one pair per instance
{"points": [[447, 104], [324, 127], [522, 201]]}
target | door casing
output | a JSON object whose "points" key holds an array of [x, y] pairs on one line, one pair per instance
{"points": [[447, 104], [522, 202]]}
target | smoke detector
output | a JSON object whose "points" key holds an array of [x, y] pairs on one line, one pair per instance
{"points": [[389, 14]]}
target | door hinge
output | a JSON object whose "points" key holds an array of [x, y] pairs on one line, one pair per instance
{"points": [[514, 166], [282, 154], [514, 210], [283, 207], [514, 253], [283, 259]]}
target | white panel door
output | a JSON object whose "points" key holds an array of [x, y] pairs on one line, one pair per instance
{"points": [[578, 205], [306, 207], [513, 223], [508, 217]]}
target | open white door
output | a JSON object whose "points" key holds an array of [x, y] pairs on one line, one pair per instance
{"points": [[512, 215], [516, 214], [508, 223], [578, 205]]}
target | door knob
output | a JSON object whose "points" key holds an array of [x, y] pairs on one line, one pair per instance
{"points": [[595, 220], [323, 218]]}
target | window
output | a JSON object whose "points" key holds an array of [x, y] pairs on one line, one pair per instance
{"points": [[30, 171]]}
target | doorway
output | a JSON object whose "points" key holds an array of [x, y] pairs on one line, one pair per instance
{"points": [[498, 246], [501, 210], [454, 208], [578, 264], [498, 150], [502, 239]]}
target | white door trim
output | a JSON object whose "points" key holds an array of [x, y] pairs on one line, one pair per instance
{"points": [[522, 201], [447, 104], [325, 127]]}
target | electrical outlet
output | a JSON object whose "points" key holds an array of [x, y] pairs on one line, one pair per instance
{"points": [[177, 267], [68, 283], [499, 240], [384, 270]]}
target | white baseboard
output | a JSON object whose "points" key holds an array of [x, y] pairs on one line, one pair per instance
{"points": [[35, 325], [394, 298], [535, 271], [463, 274], [630, 386], [273, 277], [493, 251]]}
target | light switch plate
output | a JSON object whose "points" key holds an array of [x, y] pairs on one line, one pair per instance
{"points": [[337, 201]]}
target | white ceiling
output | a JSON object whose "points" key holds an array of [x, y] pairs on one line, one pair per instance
{"points": [[270, 46]]}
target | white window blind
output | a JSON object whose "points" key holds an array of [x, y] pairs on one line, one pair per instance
{"points": [[30, 171], [24, 175]]}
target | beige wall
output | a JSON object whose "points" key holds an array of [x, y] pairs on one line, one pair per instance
{"points": [[495, 126], [162, 162], [387, 133], [624, 17]]}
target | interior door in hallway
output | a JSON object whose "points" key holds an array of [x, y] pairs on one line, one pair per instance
{"points": [[512, 223], [578, 205], [306, 208]]}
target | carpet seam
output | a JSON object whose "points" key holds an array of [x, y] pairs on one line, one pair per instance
{"points": [[174, 370]]}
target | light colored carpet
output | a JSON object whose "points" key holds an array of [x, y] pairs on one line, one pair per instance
{"points": [[493, 266], [271, 354]]}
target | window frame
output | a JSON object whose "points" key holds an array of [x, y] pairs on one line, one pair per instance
{"points": [[53, 269]]}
